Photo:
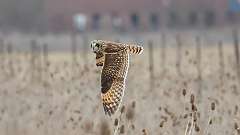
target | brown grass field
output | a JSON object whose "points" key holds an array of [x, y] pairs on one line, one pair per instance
{"points": [[59, 94]]}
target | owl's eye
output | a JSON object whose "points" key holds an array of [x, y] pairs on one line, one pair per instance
{"points": [[92, 44], [97, 45]]}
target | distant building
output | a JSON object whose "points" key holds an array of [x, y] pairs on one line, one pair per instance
{"points": [[138, 15]]}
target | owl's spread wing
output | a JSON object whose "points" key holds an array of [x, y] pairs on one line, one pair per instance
{"points": [[113, 81], [112, 93]]}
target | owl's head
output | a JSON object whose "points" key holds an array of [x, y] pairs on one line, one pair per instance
{"points": [[105, 46], [97, 45]]}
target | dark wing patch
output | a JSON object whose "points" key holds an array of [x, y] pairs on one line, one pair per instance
{"points": [[106, 83], [112, 98], [113, 79]]}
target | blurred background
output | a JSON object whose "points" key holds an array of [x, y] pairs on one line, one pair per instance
{"points": [[117, 16], [187, 81]]}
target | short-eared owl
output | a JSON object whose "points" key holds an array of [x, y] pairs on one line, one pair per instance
{"points": [[114, 57]]}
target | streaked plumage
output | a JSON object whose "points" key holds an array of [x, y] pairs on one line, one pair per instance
{"points": [[114, 57], [135, 49]]}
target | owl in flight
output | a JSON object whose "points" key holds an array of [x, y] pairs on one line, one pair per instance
{"points": [[114, 58]]}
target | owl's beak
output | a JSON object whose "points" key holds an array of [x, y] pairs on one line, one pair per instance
{"points": [[95, 49]]}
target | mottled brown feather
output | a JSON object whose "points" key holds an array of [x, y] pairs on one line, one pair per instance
{"points": [[114, 57], [113, 80], [99, 58]]}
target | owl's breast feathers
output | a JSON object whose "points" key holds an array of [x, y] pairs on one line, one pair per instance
{"points": [[99, 59]]}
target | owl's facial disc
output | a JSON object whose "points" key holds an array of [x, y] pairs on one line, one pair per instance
{"points": [[95, 46]]}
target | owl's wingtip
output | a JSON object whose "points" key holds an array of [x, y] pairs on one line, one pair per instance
{"points": [[108, 112]]}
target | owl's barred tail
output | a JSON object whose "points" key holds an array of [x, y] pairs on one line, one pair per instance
{"points": [[134, 49]]}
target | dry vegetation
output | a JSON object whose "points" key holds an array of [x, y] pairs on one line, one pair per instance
{"points": [[179, 90]]}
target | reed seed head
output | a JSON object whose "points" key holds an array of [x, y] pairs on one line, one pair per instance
{"points": [[130, 114], [144, 132], [195, 117], [133, 104], [161, 124], [184, 92], [235, 125], [194, 107], [122, 109], [192, 99], [185, 116], [210, 122], [212, 106], [116, 122], [122, 130], [133, 127], [197, 128]]}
